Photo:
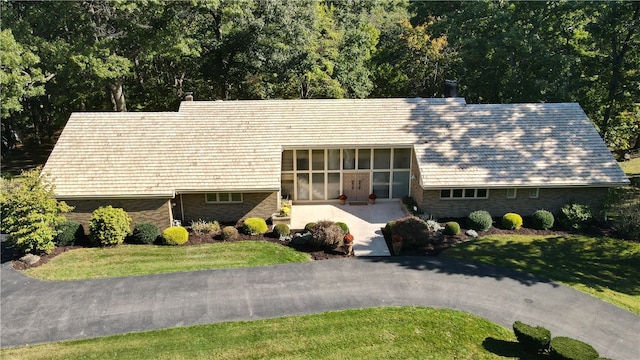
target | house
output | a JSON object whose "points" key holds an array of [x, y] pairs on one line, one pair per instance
{"points": [[228, 160]]}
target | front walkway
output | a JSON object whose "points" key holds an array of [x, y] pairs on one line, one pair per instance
{"points": [[364, 221]]}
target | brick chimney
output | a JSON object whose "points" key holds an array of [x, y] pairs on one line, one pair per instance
{"points": [[188, 96], [450, 88]]}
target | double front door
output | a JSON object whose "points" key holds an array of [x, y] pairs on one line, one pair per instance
{"points": [[356, 186]]}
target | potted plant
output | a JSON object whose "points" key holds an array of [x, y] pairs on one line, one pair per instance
{"points": [[348, 244], [342, 199], [372, 198], [283, 216], [396, 242]]}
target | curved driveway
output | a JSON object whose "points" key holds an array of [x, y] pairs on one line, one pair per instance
{"points": [[34, 311]]}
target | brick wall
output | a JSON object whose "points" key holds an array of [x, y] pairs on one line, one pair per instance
{"points": [[253, 205], [416, 190], [497, 204], [157, 211]]}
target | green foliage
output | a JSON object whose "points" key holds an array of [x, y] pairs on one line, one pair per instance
{"points": [[30, 213], [309, 226], [532, 339], [512, 221], [451, 228], [326, 234], [479, 220], [564, 348], [542, 219], [229, 233], [255, 226], [575, 216], [387, 231], [281, 230], [200, 227], [145, 233], [69, 233], [109, 226], [413, 230], [175, 235], [624, 206], [343, 226]]}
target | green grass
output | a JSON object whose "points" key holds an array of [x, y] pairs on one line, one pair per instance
{"points": [[606, 268], [375, 333], [127, 260], [631, 167]]}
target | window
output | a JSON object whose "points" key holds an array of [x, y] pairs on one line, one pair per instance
{"points": [[317, 160], [511, 193], [381, 158], [364, 159], [533, 193], [302, 160], [401, 158], [464, 194], [223, 197]]}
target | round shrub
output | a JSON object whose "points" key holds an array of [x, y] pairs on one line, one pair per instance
{"points": [[512, 221], [479, 220], [386, 232], [574, 216], [413, 230], [564, 348], [281, 230], [109, 226], [69, 233], [175, 235], [326, 234], [255, 226], [451, 228], [343, 226], [229, 233], [308, 226], [531, 339], [542, 219], [145, 233]]}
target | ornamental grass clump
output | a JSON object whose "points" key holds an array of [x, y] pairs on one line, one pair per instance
{"points": [[175, 235], [255, 226], [479, 220], [542, 219], [145, 233], [109, 226], [532, 339], [202, 227], [451, 228], [326, 235], [512, 221]]}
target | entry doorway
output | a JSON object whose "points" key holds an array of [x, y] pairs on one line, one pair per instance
{"points": [[356, 185]]}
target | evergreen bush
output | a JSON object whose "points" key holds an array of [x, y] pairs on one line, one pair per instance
{"points": [[327, 235], [229, 233], [281, 230], [575, 216], [343, 226], [145, 233], [451, 228], [512, 221], [532, 339], [308, 226], [255, 226], [69, 233], [479, 220], [109, 226], [413, 230], [175, 235], [564, 348], [542, 219], [387, 231]]}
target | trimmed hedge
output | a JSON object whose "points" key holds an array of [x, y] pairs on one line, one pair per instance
{"points": [[564, 348], [145, 233], [175, 235], [109, 226], [532, 339], [479, 220], [343, 226], [512, 221], [70, 233], [542, 219], [229, 233], [281, 230], [451, 228], [255, 226]]}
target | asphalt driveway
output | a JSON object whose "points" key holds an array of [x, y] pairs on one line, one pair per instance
{"points": [[34, 311]]}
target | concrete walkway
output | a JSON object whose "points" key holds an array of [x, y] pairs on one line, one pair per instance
{"points": [[37, 311], [364, 222]]}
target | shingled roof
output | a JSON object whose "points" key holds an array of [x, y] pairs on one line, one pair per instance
{"points": [[236, 145]]}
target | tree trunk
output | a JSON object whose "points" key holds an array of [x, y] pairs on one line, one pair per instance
{"points": [[117, 96]]}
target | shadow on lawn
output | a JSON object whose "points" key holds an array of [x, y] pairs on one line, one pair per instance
{"points": [[505, 348]]}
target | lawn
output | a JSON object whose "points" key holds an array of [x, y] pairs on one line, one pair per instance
{"points": [[606, 268], [127, 260], [374, 333], [631, 167]]}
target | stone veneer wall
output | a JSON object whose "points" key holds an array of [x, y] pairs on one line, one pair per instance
{"points": [[497, 204], [157, 211], [253, 205]]}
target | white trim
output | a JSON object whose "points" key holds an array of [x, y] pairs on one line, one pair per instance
{"points": [[514, 195], [534, 195]]}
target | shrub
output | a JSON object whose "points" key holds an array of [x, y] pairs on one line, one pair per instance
{"points": [[512, 221], [69, 233], [575, 216], [434, 225], [201, 227], [109, 226], [145, 233], [387, 231], [175, 235], [532, 339], [255, 226], [413, 230], [309, 226], [626, 210], [571, 349], [542, 219], [343, 226], [281, 230], [479, 220], [451, 228], [229, 233], [326, 234]]}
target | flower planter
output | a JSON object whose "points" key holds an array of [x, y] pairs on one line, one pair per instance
{"points": [[275, 220]]}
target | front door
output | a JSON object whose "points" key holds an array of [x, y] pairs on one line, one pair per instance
{"points": [[356, 186]]}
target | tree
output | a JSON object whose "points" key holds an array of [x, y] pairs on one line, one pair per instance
{"points": [[30, 213]]}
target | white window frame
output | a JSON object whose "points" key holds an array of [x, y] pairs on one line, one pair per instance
{"points": [[512, 193], [534, 193], [464, 192], [218, 201]]}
